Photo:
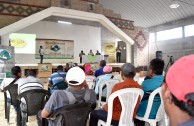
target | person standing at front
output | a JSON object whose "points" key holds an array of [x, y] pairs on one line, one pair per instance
{"points": [[41, 52], [118, 54]]}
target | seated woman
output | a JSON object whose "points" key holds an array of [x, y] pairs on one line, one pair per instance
{"points": [[88, 69], [149, 85], [107, 70]]}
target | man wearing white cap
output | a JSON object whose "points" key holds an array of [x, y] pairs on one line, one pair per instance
{"points": [[77, 86]]}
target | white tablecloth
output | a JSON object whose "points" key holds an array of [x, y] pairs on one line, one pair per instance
{"points": [[93, 59]]}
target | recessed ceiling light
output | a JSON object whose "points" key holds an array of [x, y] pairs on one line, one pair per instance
{"points": [[174, 4], [64, 22]]}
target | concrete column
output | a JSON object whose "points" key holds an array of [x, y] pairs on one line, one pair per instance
{"points": [[128, 53]]}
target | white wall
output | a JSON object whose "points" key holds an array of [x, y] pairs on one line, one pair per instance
{"points": [[173, 47], [84, 37]]}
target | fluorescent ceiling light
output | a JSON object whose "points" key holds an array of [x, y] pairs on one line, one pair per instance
{"points": [[64, 22], [174, 4]]}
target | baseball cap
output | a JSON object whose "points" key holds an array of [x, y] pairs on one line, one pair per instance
{"points": [[75, 76], [180, 77], [107, 69]]}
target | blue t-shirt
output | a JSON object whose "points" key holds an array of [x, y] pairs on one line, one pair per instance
{"points": [[99, 72], [150, 85]]}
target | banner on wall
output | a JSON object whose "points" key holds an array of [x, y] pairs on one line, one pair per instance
{"points": [[110, 50], [7, 61], [55, 49]]}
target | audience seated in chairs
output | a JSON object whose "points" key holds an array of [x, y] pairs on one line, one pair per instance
{"points": [[127, 73], [107, 70], [149, 85], [100, 70], [26, 84], [178, 92], [70, 65], [56, 80], [10, 95], [78, 88]]}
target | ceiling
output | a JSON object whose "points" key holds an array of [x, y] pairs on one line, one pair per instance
{"points": [[147, 13]]}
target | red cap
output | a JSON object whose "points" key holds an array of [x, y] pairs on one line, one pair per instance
{"points": [[180, 77]]}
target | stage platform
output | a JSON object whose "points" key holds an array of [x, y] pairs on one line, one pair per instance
{"points": [[56, 64]]}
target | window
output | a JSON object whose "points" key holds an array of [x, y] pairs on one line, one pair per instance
{"points": [[151, 37], [169, 34], [189, 30]]}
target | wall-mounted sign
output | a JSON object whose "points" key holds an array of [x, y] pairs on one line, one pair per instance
{"points": [[55, 49]]}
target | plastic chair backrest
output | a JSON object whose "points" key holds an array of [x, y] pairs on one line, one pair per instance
{"points": [[90, 78], [109, 85], [98, 78], [128, 98], [13, 91], [118, 76], [35, 100], [161, 112], [71, 115], [91, 84]]}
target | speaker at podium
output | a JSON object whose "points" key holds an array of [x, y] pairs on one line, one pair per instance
{"points": [[159, 54]]}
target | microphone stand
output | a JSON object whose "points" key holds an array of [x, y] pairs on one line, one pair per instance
{"points": [[170, 62]]}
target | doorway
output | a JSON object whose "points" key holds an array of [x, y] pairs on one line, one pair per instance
{"points": [[123, 51]]}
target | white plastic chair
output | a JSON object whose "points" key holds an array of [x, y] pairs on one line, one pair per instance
{"points": [[160, 116], [109, 85], [118, 76], [98, 78], [128, 98], [91, 84], [90, 78]]}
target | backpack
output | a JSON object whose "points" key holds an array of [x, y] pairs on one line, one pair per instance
{"points": [[74, 114], [60, 85]]}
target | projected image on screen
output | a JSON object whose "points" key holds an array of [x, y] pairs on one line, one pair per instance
{"points": [[23, 43]]}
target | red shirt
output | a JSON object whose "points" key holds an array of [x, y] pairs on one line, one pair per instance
{"points": [[129, 83]]}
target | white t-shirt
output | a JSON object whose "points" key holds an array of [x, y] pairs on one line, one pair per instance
{"points": [[6, 82], [41, 51], [118, 49]]}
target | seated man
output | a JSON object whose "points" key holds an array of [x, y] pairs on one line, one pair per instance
{"points": [[178, 92], [100, 70], [77, 86], [56, 78], [16, 73], [149, 85], [26, 84], [127, 73], [98, 53], [30, 82], [91, 53]]}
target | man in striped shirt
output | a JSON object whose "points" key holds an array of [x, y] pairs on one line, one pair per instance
{"points": [[26, 84], [29, 83], [56, 78]]}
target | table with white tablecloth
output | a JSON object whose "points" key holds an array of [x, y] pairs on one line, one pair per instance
{"points": [[94, 59]]}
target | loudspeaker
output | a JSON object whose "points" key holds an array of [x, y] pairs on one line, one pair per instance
{"points": [[159, 54]]}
